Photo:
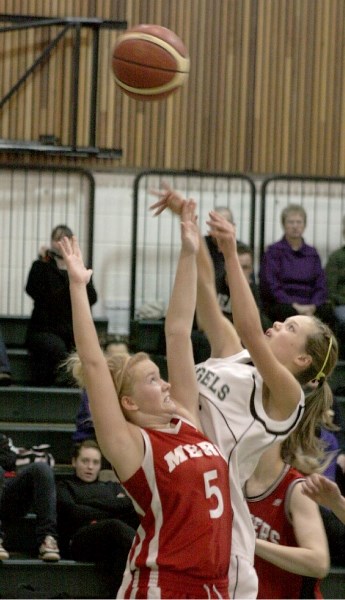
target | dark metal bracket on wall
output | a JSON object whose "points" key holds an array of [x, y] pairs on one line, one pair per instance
{"points": [[48, 144]]}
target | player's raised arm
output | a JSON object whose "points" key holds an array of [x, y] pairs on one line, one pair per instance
{"points": [[119, 440], [179, 318], [219, 331], [285, 391]]}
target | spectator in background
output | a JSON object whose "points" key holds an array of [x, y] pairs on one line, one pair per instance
{"points": [[335, 274], [292, 280], [5, 369], [96, 519], [217, 256], [245, 256], [50, 334], [31, 488], [201, 346]]}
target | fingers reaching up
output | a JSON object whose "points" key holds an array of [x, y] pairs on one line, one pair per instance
{"points": [[168, 198], [189, 228], [223, 231], [73, 258]]}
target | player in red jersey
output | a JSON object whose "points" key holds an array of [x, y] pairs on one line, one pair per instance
{"points": [[291, 550], [177, 478]]}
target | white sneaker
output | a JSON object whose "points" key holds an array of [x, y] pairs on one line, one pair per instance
{"points": [[49, 550], [4, 555]]}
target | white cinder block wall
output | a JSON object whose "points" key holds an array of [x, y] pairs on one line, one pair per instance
{"points": [[112, 247]]}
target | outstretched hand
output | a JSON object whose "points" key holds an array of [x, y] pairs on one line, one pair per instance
{"points": [[189, 228], [168, 198], [77, 272], [223, 231], [321, 489]]}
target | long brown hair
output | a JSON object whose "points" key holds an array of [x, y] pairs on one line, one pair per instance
{"points": [[303, 448]]}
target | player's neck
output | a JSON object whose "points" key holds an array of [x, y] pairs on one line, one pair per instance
{"points": [[268, 470]]}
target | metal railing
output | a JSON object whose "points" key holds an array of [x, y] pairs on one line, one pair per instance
{"points": [[50, 144], [156, 241], [32, 202]]}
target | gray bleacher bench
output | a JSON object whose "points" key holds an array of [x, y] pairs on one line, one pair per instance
{"points": [[14, 329]]}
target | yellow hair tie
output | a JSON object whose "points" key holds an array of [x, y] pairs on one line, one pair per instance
{"points": [[321, 373]]}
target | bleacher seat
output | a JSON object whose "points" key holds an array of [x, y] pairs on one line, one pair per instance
{"points": [[32, 578], [13, 329], [333, 586]]}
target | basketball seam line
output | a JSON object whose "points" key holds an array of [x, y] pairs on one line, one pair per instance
{"points": [[134, 62]]}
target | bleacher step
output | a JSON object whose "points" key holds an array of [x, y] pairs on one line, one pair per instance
{"points": [[27, 403], [333, 586], [14, 328], [33, 578]]}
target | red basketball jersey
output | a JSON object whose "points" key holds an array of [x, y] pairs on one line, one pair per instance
{"points": [[182, 494], [271, 520]]}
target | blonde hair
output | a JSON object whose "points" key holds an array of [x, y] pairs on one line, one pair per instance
{"points": [[303, 449], [293, 208], [121, 367]]}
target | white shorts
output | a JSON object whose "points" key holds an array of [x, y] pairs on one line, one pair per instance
{"points": [[243, 579]]}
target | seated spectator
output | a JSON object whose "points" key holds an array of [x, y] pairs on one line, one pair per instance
{"points": [[5, 369], [245, 255], [30, 489], [50, 334], [292, 280], [217, 255], [291, 551], [335, 274], [96, 519]]}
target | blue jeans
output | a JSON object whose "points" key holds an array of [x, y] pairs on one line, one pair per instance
{"points": [[33, 489]]}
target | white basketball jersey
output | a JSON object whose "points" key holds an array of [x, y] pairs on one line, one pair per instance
{"points": [[233, 416]]}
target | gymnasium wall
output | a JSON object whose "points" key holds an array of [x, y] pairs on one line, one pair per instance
{"points": [[266, 92]]}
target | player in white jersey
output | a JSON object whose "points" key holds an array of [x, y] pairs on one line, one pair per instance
{"points": [[251, 398]]}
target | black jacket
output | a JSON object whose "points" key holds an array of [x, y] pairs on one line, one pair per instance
{"points": [[80, 503], [48, 286]]}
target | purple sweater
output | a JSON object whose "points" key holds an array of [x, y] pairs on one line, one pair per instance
{"points": [[288, 275]]}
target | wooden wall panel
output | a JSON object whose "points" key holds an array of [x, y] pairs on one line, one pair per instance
{"points": [[266, 91]]}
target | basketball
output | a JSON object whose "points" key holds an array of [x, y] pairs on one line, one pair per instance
{"points": [[150, 62]]}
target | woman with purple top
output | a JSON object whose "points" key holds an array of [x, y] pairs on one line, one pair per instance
{"points": [[292, 280]]}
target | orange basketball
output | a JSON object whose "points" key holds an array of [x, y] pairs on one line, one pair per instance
{"points": [[150, 62]]}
